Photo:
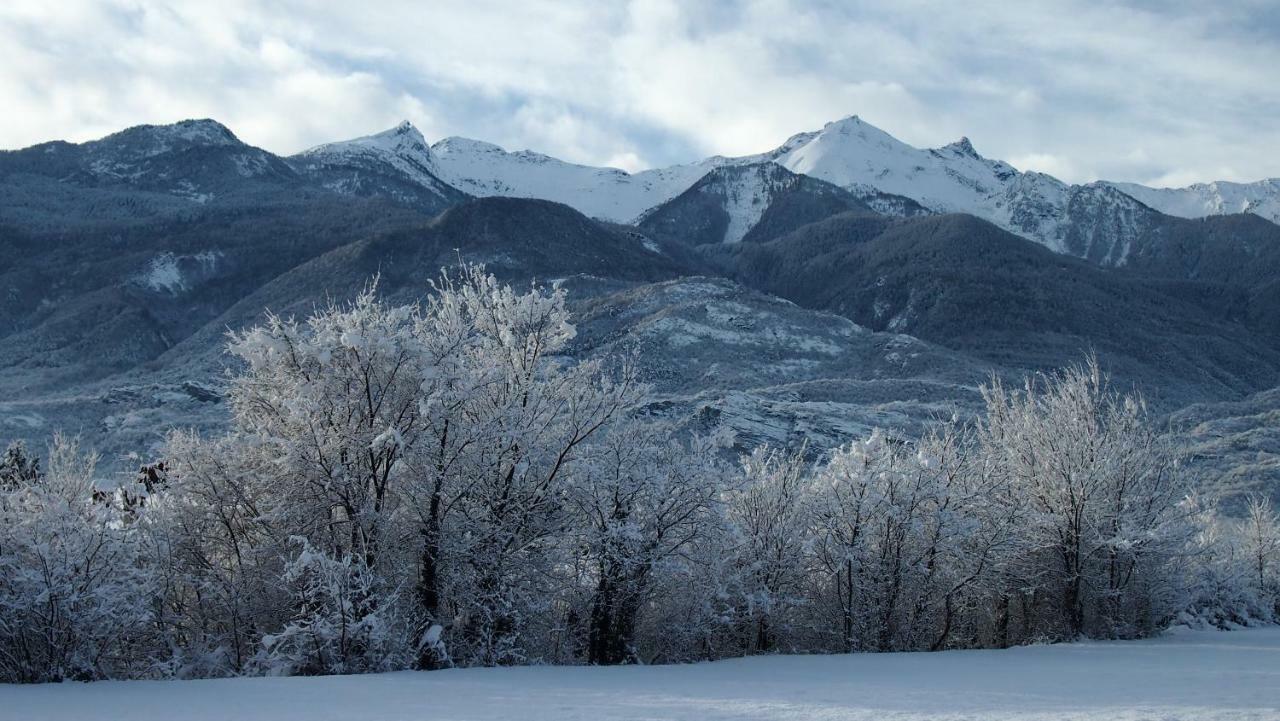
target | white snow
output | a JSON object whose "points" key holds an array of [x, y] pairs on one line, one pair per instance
{"points": [[164, 271], [855, 155], [483, 169], [163, 274], [746, 199], [402, 148], [197, 132], [1204, 199], [850, 153], [249, 164], [1184, 676]]}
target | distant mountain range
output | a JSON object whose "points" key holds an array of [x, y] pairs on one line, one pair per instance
{"points": [[842, 281], [849, 153]]}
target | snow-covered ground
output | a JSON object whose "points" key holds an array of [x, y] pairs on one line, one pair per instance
{"points": [[1188, 675]]}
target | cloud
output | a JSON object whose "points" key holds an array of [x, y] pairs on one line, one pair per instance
{"points": [[1070, 88]]}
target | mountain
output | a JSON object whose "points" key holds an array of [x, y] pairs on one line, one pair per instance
{"points": [[116, 249], [751, 203], [85, 303], [1205, 199], [484, 170], [718, 354], [1097, 221], [965, 284], [136, 176], [724, 355], [521, 241], [1234, 446], [395, 163]]}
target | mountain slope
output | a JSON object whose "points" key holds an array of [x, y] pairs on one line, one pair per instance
{"points": [[1261, 198], [171, 167], [484, 170], [1098, 221], [963, 283], [395, 163], [99, 300], [519, 240], [750, 203]]}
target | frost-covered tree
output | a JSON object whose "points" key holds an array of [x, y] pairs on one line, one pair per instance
{"points": [[18, 467], [770, 533], [216, 540], [527, 416], [906, 536], [1260, 533], [336, 401], [433, 443], [1221, 589], [644, 499], [1104, 526]]}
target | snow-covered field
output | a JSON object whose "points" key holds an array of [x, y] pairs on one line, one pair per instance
{"points": [[1200, 675]]}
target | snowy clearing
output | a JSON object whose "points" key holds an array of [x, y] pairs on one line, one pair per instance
{"points": [[1201, 675]]}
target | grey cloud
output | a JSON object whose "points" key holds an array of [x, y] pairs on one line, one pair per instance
{"points": [[1143, 91]]}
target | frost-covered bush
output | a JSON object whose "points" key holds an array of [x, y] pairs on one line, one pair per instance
{"points": [[346, 619], [1233, 572], [73, 595]]}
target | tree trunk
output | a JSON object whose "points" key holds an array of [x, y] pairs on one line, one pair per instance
{"points": [[848, 606], [1002, 621], [615, 610], [429, 584]]}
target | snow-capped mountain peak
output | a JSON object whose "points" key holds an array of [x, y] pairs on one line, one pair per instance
{"points": [[396, 162], [858, 156], [960, 147], [403, 139], [402, 145]]}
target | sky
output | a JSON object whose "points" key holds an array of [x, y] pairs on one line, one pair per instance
{"points": [[1163, 92]]}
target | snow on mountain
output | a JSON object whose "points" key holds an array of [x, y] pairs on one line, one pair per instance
{"points": [[1098, 221], [483, 169], [757, 202], [955, 178], [396, 162], [197, 161], [401, 147], [882, 171], [743, 193], [852, 154], [145, 141], [1218, 198]]}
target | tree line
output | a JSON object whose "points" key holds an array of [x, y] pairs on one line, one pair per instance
{"points": [[435, 485]]}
